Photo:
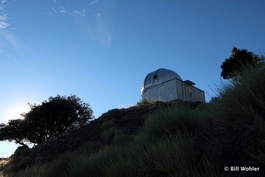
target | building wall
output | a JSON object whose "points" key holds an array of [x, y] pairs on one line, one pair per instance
{"points": [[174, 89], [179, 87], [165, 92], [193, 94], [199, 95], [188, 92]]}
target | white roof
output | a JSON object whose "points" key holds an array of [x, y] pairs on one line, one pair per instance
{"points": [[157, 77]]}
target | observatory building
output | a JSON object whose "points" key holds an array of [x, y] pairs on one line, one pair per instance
{"points": [[166, 85]]}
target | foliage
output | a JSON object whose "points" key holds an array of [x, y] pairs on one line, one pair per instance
{"points": [[33, 171], [179, 141], [61, 166], [240, 133], [163, 155], [113, 135], [21, 152], [144, 102], [15, 130], [236, 62], [19, 160], [110, 134], [89, 148], [112, 114], [108, 124], [168, 121], [114, 161], [47, 121], [176, 155]]}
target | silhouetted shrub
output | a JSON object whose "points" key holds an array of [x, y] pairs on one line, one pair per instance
{"points": [[89, 148], [111, 114], [108, 124], [20, 159], [168, 121]]}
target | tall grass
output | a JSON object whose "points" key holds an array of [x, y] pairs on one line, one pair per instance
{"points": [[112, 161], [168, 145], [175, 156], [240, 133], [174, 141], [168, 121], [245, 95]]}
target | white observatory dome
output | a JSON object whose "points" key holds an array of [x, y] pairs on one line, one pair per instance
{"points": [[157, 77]]}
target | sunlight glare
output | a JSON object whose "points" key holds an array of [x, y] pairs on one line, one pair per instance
{"points": [[16, 111]]}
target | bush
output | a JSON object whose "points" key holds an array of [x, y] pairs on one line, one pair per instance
{"points": [[120, 162], [122, 138], [175, 156], [33, 171], [107, 124], [89, 148], [21, 152], [111, 114], [109, 135], [145, 101], [112, 162], [240, 133], [61, 166], [20, 159], [168, 121], [115, 136]]}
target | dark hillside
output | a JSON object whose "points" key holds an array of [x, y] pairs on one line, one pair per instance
{"points": [[128, 120]]}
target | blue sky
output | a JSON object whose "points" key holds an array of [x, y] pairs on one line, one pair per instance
{"points": [[101, 50]]}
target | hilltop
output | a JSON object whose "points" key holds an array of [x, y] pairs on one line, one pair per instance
{"points": [[128, 120]]}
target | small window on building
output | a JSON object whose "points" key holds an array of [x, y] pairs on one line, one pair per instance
{"points": [[155, 76]]}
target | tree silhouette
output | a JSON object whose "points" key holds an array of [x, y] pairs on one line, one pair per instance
{"points": [[236, 63], [47, 121], [13, 131]]}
